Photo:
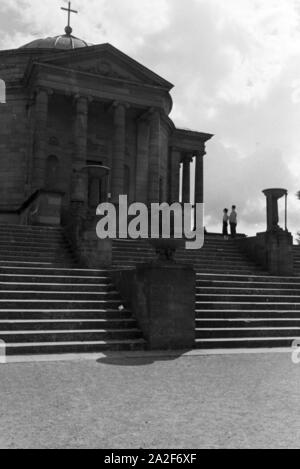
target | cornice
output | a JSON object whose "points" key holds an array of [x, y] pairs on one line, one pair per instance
{"points": [[192, 134]]}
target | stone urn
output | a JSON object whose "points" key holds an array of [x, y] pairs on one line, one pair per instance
{"points": [[166, 248], [273, 195]]}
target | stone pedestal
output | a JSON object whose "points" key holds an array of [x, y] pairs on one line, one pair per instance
{"points": [[273, 250], [278, 249], [162, 297], [91, 252], [94, 252]]}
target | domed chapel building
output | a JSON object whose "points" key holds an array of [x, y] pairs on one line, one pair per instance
{"points": [[86, 123], [82, 124]]}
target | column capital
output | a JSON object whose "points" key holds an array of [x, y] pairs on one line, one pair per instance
{"points": [[187, 157], [154, 112], [83, 97], [200, 152], [116, 104], [148, 114], [81, 103]]}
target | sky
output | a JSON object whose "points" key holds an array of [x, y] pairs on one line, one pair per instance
{"points": [[235, 65]]}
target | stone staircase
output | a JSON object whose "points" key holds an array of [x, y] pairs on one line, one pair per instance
{"points": [[216, 256], [50, 305], [297, 260], [237, 304]]}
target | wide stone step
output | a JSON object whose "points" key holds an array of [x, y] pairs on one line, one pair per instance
{"points": [[56, 279], [250, 332], [260, 277], [60, 313], [252, 297], [227, 305], [60, 304], [54, 264], [202, 255], [56, 287], [245, 343], [50, 229], [31, 228], [199, 269], [205, 262], [213, 251], [278, 292], [34, 247], [66, 324], [52, 270], [37, 253], [59, 295], [26, 236], [32, 258], [220, 285], [45, 348], [238, 313], [217, 270], [227, 264], [247, 322], [67, 335]]}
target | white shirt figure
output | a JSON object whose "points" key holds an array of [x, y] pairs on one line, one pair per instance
{"points": [[233, 217]]}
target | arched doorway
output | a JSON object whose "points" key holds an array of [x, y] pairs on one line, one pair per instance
{"points": [[98, 184]]}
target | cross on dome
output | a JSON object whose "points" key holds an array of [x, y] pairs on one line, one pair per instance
{"points": [[68, 28]]}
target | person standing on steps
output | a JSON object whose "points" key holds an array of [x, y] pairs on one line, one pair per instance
{"points": [[233, 221], [225, 223]]}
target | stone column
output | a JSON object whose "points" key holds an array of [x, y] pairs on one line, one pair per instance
{"points": [[80, 132], [80, 139], [118, 157], [199, 186], [174, 175], [154, 158], [272, 196], [142, 163], [40, 137], [186, 164]]}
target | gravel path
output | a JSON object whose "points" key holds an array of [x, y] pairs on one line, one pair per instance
{"points": [[231, 401]]}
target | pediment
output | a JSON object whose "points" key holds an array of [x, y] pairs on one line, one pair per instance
{"points": [[106, 61]]}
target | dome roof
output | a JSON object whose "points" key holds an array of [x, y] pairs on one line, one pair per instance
{"points": [[65, 41]]}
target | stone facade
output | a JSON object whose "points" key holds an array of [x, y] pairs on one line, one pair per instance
{"points": [[71, 108]]}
